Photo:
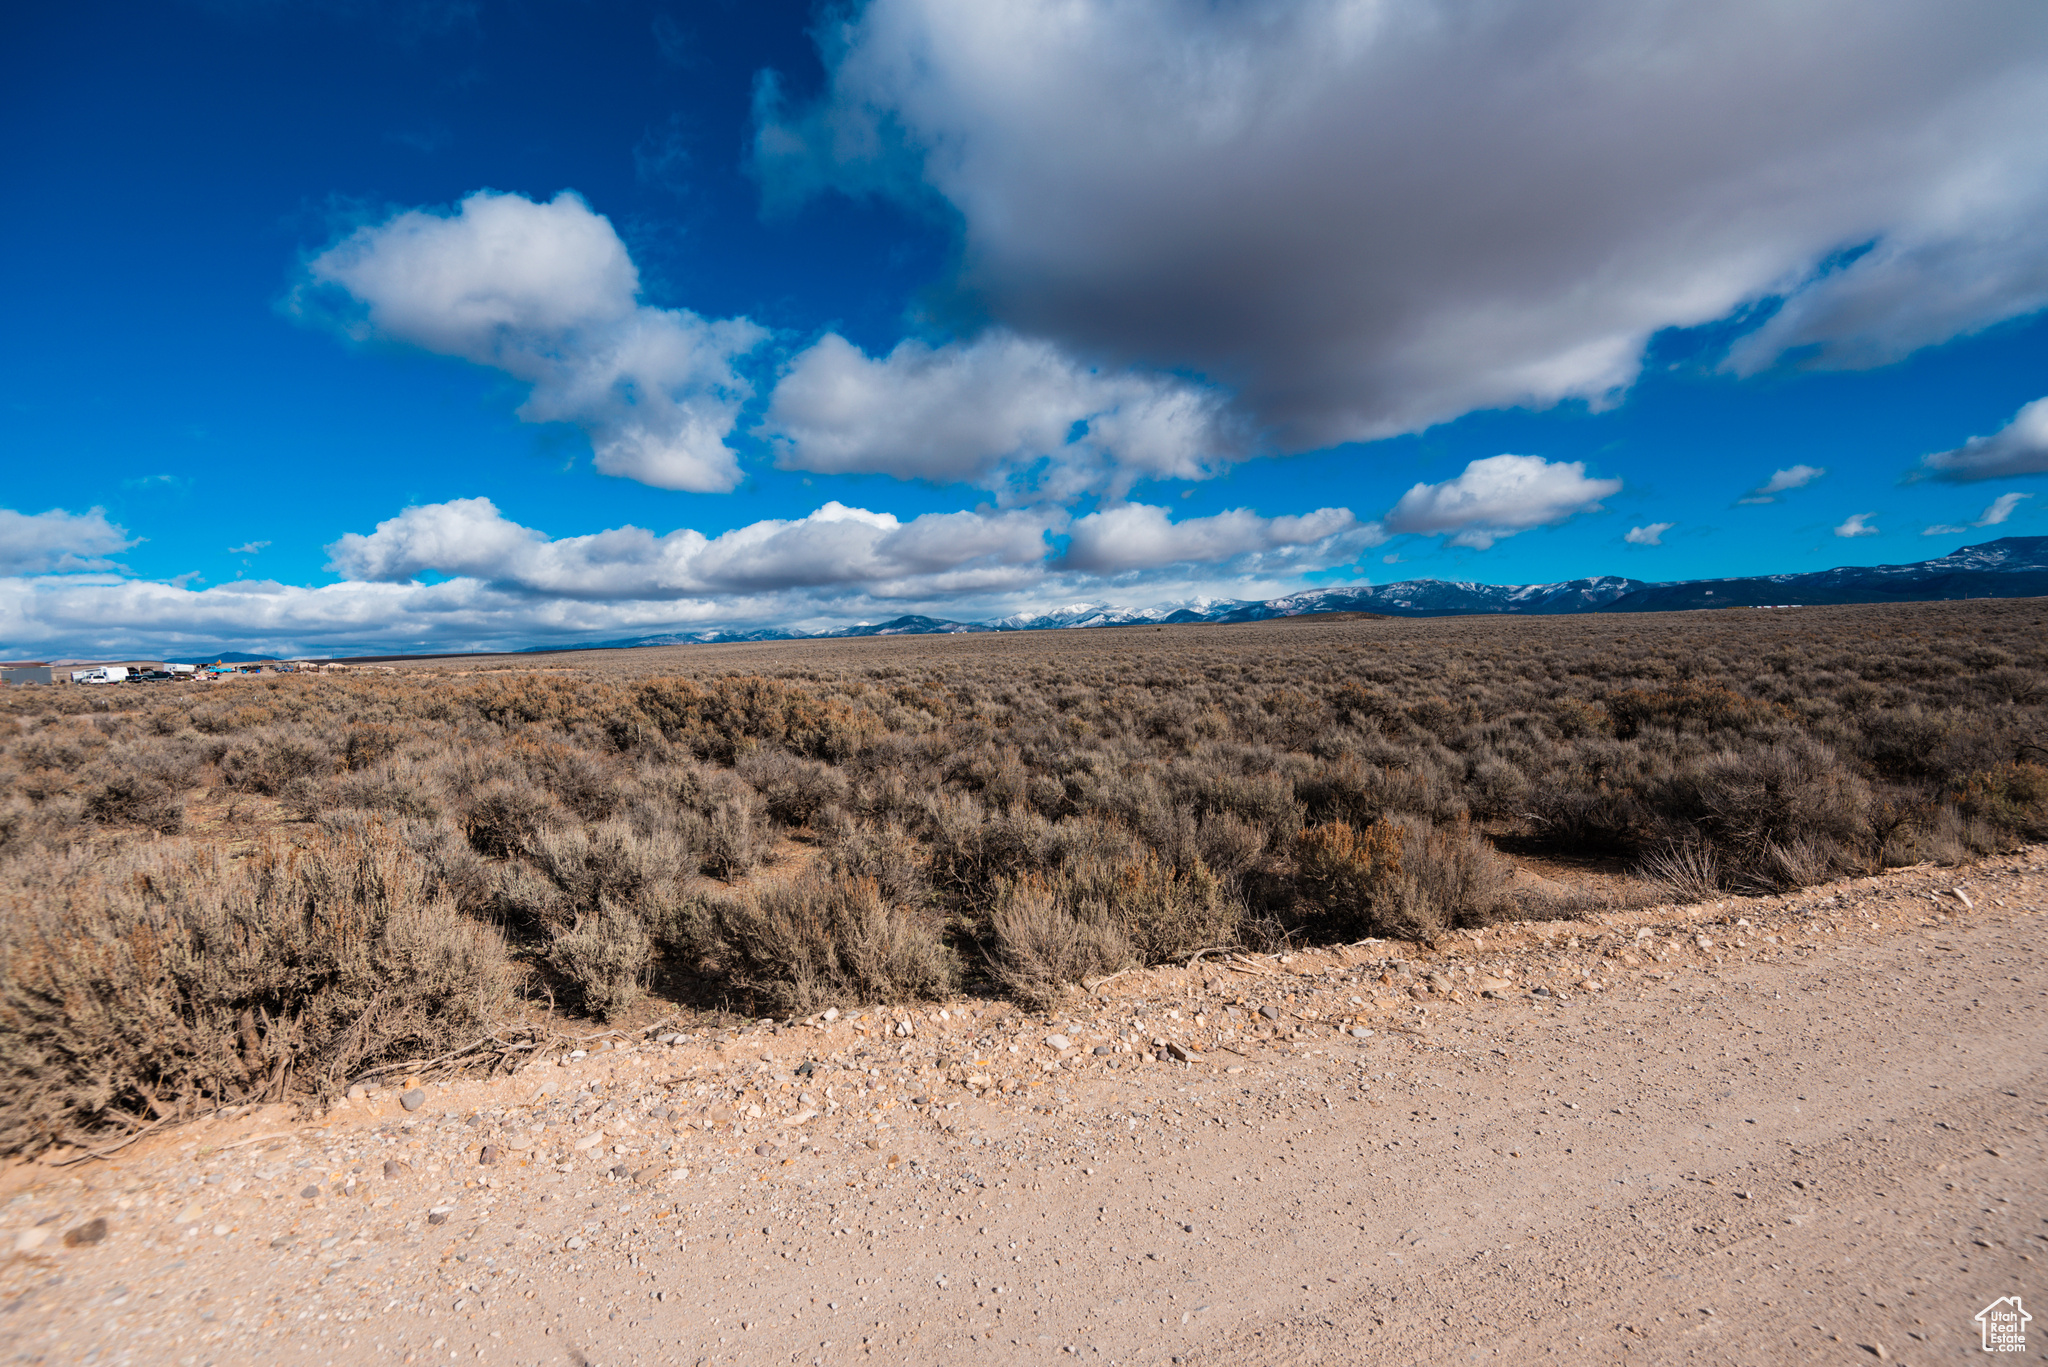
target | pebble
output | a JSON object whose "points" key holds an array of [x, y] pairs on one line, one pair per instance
{"points": [[1060, 1042], [413, 1099], [309, 1192], [1360, 1032], [439, 1215], [1105, 1049], [394, 1168], [489, 1155], [87, 1234], [1270, 1012]]}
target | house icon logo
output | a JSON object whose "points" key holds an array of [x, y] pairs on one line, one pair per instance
{"points": [[2005, 1325]]}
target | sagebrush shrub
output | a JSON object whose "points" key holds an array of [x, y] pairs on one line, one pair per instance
{"points": [[1403, 876], [137, 799], [1039, 945], [823, 940], [175, 978]]}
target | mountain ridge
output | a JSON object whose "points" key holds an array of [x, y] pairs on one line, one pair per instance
{"points": [[2009, 567]]}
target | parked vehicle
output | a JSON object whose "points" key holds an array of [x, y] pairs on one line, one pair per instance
{"points": [[151, 676], [105, 674]]}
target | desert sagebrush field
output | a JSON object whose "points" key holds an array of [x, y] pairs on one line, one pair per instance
{"points": [[262, 888]]}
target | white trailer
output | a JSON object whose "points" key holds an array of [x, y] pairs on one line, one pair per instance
{"points": [[105, 674]]}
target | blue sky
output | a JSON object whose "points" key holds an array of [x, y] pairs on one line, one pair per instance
{"points": [[376, 325]]}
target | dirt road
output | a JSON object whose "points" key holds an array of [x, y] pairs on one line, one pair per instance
{"points": [[1783, 1130]]}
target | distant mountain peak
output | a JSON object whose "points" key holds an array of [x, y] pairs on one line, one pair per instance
{"points": [[2009, 567]]}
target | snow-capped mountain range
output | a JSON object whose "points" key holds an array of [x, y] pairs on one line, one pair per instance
{"points": [[2011, 567]]}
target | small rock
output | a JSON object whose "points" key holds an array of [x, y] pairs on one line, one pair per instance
{"points": [[520, 1142], [1181, 1052], [1877, 1350], [309, 1192], [413, 1099], [875, 1144], [621, 1170], [764, 1150], [806, 1068], [439, 1215], [831, 1013], [357, 1092], [1420, 992], [489, 1155], [1360, 1032], [87, 1234], [1059, 1042], [575, 1242], [589, 1141], [1105, 1049], [1270, 1012], [395, 1168], [283, 1240]]}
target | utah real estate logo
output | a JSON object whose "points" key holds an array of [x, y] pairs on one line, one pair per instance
{"points": [[2005, 1325]]}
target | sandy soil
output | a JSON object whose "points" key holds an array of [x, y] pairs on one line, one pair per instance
{"points": [[1806, 1128]]}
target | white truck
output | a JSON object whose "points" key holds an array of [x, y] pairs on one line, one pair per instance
{"points": [[105, 674]]}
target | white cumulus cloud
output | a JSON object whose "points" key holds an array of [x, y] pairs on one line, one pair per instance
{"points": [[1002, 412], [498, 584], [547, 293], [2018, 448], [1857, 524], [835, 548], [1783, 481], [1651, 535], [1139, 536], [57, 541], [1499, 496], [1364, 218]]}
